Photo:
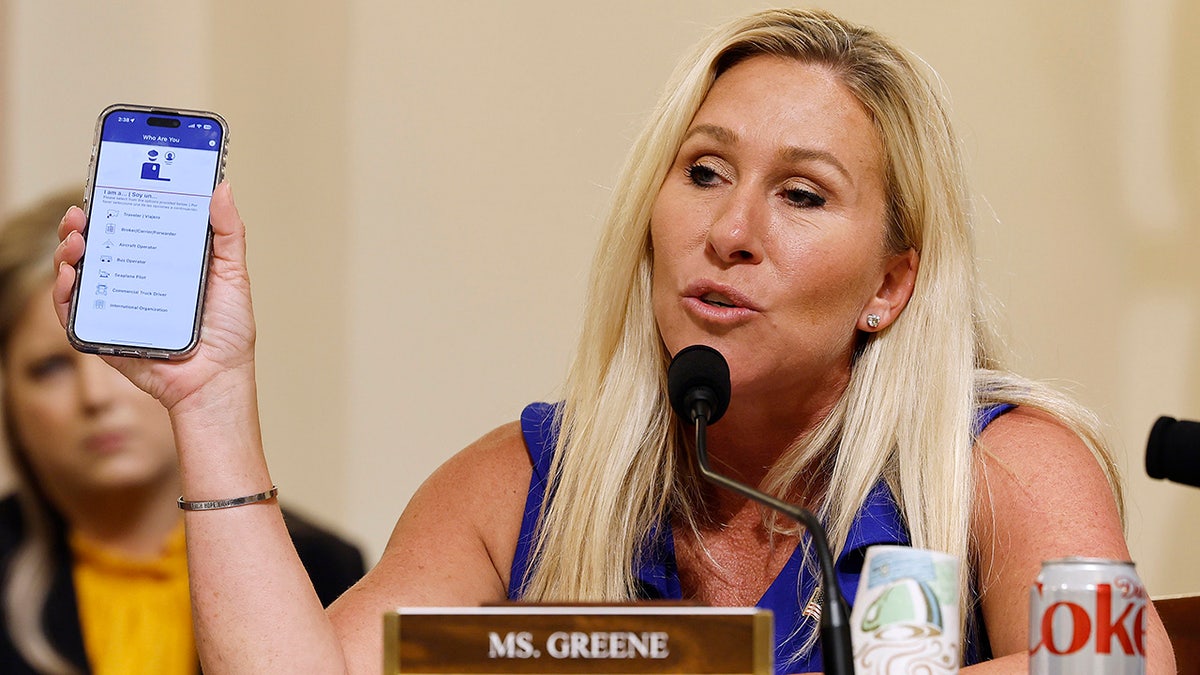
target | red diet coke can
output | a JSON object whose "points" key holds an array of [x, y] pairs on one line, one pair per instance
{"points": [[1087, 616]]}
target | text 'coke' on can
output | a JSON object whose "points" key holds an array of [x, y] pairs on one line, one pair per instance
{"points": [[1087, 616]]}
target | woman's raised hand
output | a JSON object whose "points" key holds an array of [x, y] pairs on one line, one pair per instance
{"points": [[225, 357]]}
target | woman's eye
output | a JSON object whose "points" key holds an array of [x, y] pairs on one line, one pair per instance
{"points": [[803, 198], [702, 176], [48, 366]]}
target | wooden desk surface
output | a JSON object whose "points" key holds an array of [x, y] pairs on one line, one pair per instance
{"points": [[1181, 615]]}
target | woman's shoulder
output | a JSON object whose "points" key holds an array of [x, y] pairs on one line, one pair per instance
{"points": [[1040, 482], [1025, 438], [462, 524], [1042, 492], [485, 482], [510, 452], [499, 454]]}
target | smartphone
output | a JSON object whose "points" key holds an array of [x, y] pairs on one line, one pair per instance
{"points": [[139, 288]]}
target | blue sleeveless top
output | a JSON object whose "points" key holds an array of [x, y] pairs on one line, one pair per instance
{"points": [[878, 521]]}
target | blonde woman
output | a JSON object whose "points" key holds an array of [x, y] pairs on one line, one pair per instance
{"points": [[797, 202], [93, 572]]}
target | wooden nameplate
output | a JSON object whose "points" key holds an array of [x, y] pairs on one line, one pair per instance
{"points": [[625, 639]]}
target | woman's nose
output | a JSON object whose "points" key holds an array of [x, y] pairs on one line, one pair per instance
{"points": [[735, 234], [98, 382]]}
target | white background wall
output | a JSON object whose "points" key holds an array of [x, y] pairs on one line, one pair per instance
{"points": [[423, 183]]}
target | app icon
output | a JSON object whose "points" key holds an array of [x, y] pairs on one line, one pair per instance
{"points": [[152, 170]]}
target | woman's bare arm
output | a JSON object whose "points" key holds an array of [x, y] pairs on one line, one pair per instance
{"points": [[255, 609], [453, 546], [1041, 495]]}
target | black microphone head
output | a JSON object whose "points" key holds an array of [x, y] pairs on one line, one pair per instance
{"points": [[1173, 451], [698, 374]]}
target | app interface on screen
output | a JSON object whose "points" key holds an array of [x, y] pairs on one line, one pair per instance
{"points": [[147, 230]]}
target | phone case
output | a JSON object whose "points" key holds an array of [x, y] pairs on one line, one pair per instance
{"points": [[150, 170]]}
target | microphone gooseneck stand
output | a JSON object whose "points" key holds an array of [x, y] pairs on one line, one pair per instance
{"points": [[837, 652], [698, 387]]}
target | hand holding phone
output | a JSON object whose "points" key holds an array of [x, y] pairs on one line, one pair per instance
{"points": [[221, 369], [140, 286]]}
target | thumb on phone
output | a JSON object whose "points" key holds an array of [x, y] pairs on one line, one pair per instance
{"points": [[69, 251], [229, 232]]}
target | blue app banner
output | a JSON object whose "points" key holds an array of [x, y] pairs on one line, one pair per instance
{"points": [[197, 133]]}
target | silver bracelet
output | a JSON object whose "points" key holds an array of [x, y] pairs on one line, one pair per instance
{"points": [[227, 503]]}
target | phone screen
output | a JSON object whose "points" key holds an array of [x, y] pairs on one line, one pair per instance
{"points": [[141, 283]]}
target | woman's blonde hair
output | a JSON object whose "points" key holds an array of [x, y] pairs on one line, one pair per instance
{"points": [[27, 243], [905, 417]]}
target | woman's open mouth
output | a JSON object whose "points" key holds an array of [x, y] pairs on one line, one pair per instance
{"points": [[717, 300], [711, 302]]}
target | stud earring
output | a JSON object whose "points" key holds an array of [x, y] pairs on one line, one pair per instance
{"points": [[873, 320]]}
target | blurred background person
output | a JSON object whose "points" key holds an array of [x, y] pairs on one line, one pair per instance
{"points": [[93, 570]]}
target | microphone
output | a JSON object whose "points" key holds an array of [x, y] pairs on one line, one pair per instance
{"points": [[698, 384], [698, 388], [1173, 451]]}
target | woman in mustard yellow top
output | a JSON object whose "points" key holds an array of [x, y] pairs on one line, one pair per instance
{"points": [[93, 569]]}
